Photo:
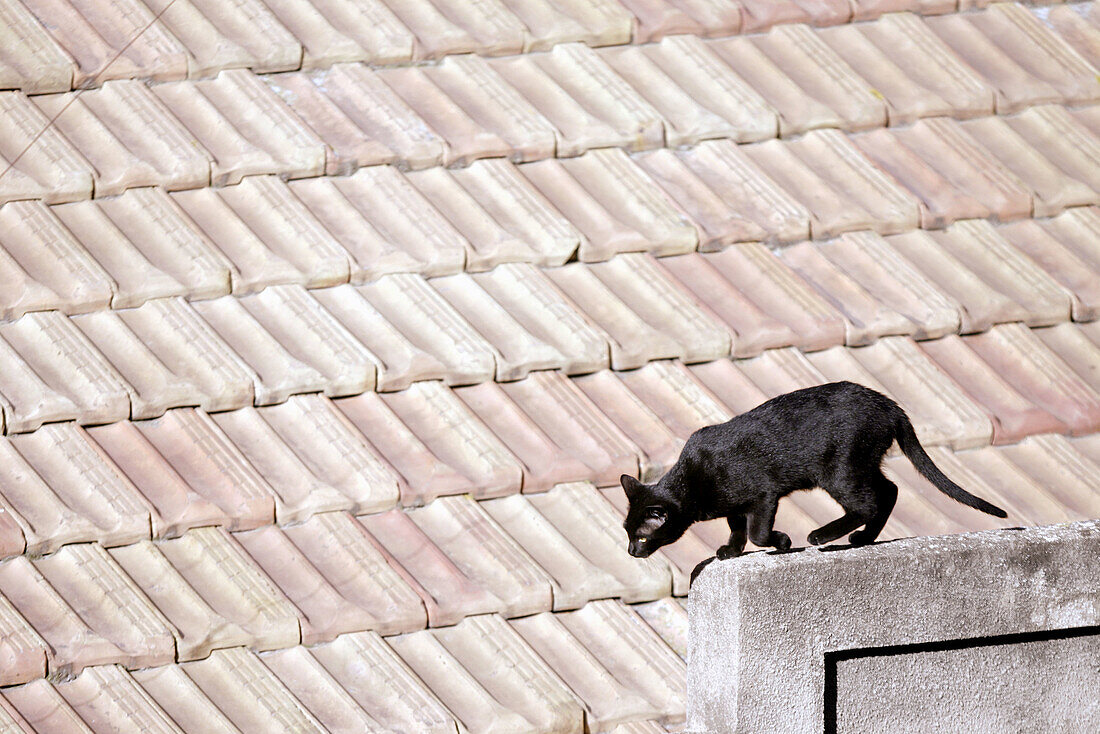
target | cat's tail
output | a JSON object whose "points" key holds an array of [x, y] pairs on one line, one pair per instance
{"points": [[910, 446]]}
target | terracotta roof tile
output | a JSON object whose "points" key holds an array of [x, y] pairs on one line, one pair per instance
{"points": [[43, 707], [669, 619], [1076, 274], [869, 261], [1014, 416], [13, 541], [980, 304], [107, 699], [52, 372], [246, 128], [249, 694], [866, 318], [454, 27], [276, 373], [1061, 139], [659, 18], [914, 71], [319, 692], [1079, 26], [448, 593], [30, 59], [698, 95], [759, 15], [595, 22], [199, 624], [1065, 474], [182, 700], [383, 685], [575, 579], [777, 371], [1018, 355], [540, 308], [117, 42], [39, 162], [544, 463], [475, 708], [607, 700], [675, 397], [322, 44], [729, 384], [11, 722], [589, 104], [372, 26], [587, 520], [509, 671], [575, 424], [211, 465], [23, 652]]}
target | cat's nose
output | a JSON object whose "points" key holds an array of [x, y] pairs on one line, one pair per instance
{"points": [[633, 549]]}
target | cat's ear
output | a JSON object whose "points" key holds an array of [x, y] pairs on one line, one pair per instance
{"points": [[631, 486]]}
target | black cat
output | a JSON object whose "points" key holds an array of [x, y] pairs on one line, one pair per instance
{"points": [[831, 436]]}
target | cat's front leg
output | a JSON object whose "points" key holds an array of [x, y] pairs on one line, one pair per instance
{"points": [[738, 537], [761, 520]]}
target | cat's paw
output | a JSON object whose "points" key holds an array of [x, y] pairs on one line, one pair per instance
{"points": [[727, 551], [861, 537], [781, 541], [816, 538]]}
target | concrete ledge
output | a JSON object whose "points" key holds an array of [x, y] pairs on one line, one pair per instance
{"points": [[984, 632]]}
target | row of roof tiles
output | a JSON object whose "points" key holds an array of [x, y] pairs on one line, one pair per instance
{"points": [[190, 134], [232, 351], [585, 670], [56, 45], [252, 467], [149, 243]]}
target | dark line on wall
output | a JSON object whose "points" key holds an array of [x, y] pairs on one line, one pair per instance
{"points": [[833, 657]]}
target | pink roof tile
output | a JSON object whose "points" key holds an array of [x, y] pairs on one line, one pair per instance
{"points": [[759, 15], [659, 18], [1078, 275], [322, 45], [474, 707], [23, 653], [607, 700], [658, 444], [1067, 475], [245, 127], [384, 686], [866, 318], [539, 307], [31, 60], [510, 671], [229, 583], [13, 541], [752, 329], [544, 463], [616, 206], [56, 358], [211, 465], [575, 578], [575, 424], [465, 138], [1078, 347], [592, 525], [485, 553], [182, 700], [453, 27], [989, 473], [668, 618], [868, 260], [39, 162], [81, 475], [277, 373], [1014, 416], [448, 593], [595, 22], [310, 333], [11, 720], [698, 94], [729, 384], [129, 137], [455, 435], [777, 371], [702, 202], [424, 476], [108, 700], [197, 624], [109, 602], [1017, 354], [1052, 189], [120, 41], [953, 512], [980, 247], [372, 26], [43, 707], [1061, 139], [318, 691], [675, 397], [1079, 26], [1076, 231], [980, 304], [177, 507], [916, 73], [249, 694], [348, 559]]}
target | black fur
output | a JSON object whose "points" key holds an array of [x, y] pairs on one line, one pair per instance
{"points": [[831, 436]]}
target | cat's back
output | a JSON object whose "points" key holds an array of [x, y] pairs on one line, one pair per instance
{"points": [[821, 410]]}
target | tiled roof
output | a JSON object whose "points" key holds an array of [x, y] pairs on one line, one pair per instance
{"points": [[327, 328]]}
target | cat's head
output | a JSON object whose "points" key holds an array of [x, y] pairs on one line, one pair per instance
{"points": [[653, 518]]}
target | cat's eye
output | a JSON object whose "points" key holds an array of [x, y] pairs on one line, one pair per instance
{"points": [[656, 513]]}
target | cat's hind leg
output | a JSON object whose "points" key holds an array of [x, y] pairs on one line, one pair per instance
{"points": [[886, 494], [830, 531], [738, 537], [761, 519]]}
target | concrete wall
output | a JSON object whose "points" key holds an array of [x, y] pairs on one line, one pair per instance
{"points": [[985, 632]]}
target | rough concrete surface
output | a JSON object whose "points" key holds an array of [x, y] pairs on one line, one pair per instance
{"points": [[761, 626]]}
